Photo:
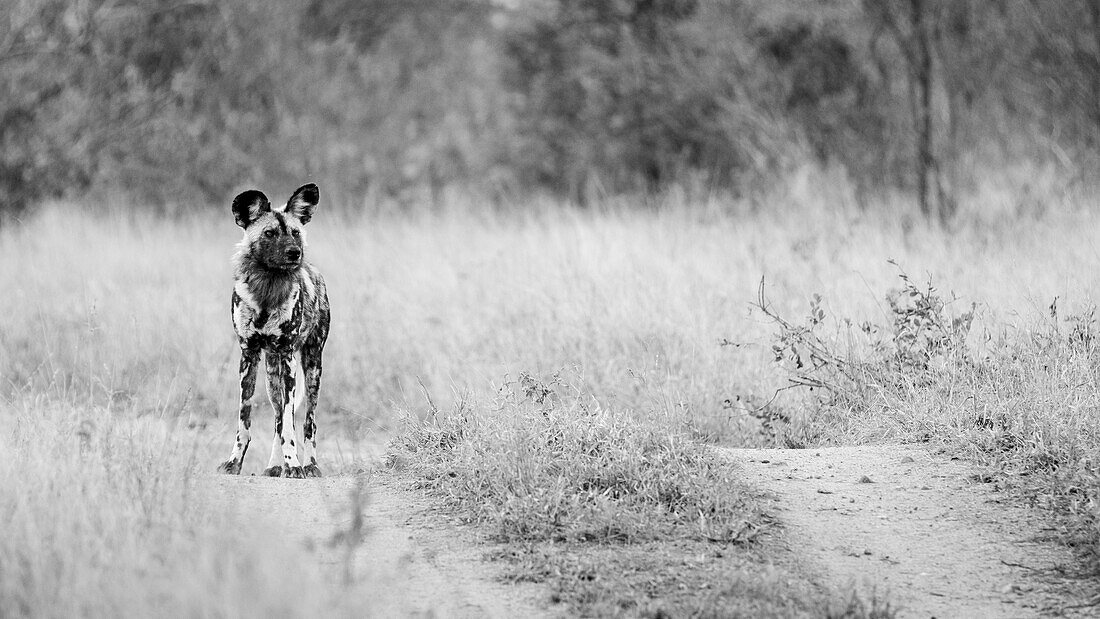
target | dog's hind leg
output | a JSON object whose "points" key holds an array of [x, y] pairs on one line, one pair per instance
{"points": [[281, 383], [250, 360], [311, 364]]}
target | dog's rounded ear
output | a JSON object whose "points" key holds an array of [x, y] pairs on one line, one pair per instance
{"points": [[248, 206], [302, 202]]}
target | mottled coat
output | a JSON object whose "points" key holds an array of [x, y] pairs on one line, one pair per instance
{"points": [[280, 308]]}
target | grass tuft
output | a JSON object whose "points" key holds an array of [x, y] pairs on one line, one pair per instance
{"points": [[618, 511], [546, 461]]}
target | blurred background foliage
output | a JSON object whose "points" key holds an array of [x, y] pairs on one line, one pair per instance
{"points": [[177, 104]]}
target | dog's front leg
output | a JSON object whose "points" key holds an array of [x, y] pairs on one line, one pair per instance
{"points": [[281, 388], [250, 360]]}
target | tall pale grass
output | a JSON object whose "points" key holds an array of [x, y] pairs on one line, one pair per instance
{"points": [[105, 516], [132, 313]]}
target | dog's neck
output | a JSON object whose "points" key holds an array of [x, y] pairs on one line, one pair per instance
{"points": [[269, 288]]}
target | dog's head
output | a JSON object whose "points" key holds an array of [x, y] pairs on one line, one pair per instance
{"points": [[275, 237]]}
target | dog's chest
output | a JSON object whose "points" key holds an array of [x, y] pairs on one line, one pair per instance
{"points": [[279, 321]]}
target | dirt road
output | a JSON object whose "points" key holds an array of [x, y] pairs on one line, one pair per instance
{"points": [[364, 530], [916, 527], [911, 527]]}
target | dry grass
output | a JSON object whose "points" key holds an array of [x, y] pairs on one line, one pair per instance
{"points": [[116, 328], [106, 516], [132, 314], [546, 461], [617, 512]]}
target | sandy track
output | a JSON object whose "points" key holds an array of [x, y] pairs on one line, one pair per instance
{"points": [[912, 527], [401, 560], [899, 521]]}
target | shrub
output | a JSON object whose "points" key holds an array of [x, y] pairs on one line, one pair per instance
{"points": [[1024, 405]]}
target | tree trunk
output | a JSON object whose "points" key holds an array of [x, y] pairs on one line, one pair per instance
{"points": [[922, 67], [1095, 6]]}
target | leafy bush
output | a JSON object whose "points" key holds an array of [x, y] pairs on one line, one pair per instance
{"points": [[1024, 405], [922, 340]]}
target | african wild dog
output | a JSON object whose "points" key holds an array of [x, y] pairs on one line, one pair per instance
{"points": [[280, 308]]}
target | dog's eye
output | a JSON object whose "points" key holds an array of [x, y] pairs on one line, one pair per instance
{"points": [[296, 233], [269, 234]]}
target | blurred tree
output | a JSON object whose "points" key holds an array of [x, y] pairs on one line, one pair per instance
{"points": [[37, 47], [102, 91], [634, 94], [1093, 61], [912, 24], [429, 110], [833, 88], [902, 93], [182, 102], [1060, 61]]}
